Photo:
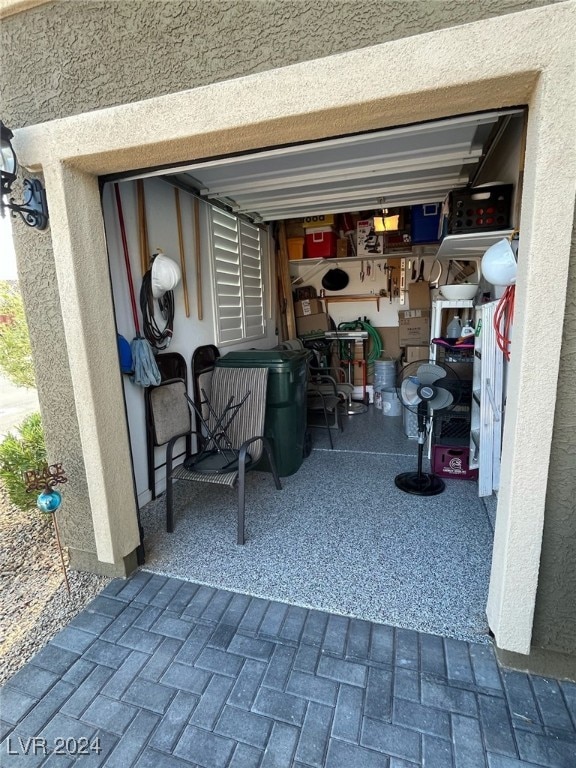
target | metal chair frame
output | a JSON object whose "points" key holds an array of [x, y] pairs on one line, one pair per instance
{"points": [[246, 461]]}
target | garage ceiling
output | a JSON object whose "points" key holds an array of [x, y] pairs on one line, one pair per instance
{"points": [[410, 165]]}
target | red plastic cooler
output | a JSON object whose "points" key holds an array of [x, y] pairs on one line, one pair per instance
{"points": [[320, 243]]}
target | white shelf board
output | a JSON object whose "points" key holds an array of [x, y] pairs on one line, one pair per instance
{"points": [[352, 259], [452, 303], [469, 245]]}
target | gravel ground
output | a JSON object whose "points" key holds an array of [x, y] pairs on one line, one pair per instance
{"points": [[34, 602]]}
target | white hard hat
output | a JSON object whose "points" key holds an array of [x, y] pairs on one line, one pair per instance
{"points": [[165, 275], [499, 263]]}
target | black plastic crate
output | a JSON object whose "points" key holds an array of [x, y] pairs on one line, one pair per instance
{"points": [[453, 425], [480, 209]]}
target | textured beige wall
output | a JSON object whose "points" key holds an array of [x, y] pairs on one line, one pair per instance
{"points": [[128, 51], [110, 53], [555, 617], [40, 290]]}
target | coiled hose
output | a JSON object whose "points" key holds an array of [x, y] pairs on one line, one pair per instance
{"points": [[158, 337], [375, 342]]}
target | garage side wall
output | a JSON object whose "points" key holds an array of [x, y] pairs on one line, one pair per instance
{"points": [[555, 616], [117, 53]]}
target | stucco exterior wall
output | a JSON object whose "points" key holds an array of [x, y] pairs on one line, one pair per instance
{"points": [[125, 52], [111, 53], [43, 313], [555, 616]]}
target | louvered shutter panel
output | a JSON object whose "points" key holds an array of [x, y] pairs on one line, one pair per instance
{"points": [[227, 275], [237, 261], [252, 294]]}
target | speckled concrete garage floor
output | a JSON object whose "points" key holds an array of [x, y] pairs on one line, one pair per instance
{"points": [[339, 537]]}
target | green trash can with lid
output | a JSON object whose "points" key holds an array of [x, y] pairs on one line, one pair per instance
{"points": [[285, 420]]}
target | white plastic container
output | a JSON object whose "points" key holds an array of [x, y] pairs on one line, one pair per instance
{"points": [[410, 421], [391, 405], [384, 373], [454, 329]]}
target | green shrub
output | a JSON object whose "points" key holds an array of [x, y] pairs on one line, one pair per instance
{"points": [[18, 453], [15, 350]]}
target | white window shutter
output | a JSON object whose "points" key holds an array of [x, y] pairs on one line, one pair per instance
{"points": [[238, 284], [252, 283]]}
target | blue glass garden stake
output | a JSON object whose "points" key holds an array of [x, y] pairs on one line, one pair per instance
{"points": [[49, 500]]}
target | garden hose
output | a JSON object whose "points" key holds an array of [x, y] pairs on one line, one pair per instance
{"points": [[373, 338]]}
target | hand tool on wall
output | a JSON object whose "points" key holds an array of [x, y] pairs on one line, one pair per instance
{"points": [[413, 276], [403, 289], [181, 248], [362, 271], [197, 258], [421, 274], [394, 271]]}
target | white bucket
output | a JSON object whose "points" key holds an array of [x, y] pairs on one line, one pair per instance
{"points": [[384, 373], [391, 405]]}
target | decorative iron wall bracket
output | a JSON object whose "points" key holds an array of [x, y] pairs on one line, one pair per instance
{"points": [[34, 209]]}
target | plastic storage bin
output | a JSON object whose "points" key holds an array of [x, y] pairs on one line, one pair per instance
{"points": [[425, 223], [452, 461], [295, 248], [285, 421], [480, 209]]}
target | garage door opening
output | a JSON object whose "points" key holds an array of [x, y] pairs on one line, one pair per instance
{"points": [[340, 536]]}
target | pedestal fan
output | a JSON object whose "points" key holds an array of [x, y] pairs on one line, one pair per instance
{"points": [[425, 388]]}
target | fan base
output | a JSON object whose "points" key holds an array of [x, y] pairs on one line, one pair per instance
{"points": [[353, 408], [423, 484]]}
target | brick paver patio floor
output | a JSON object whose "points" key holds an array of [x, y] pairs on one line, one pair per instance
{"points": [[162, 672]]}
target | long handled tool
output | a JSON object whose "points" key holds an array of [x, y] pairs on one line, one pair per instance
{"points": [[146, 371], [197, 257], [142, 228], [181, 247]]}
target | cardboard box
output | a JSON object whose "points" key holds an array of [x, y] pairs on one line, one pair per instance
{"points": [[323, 220], [419, 296], [308, 307], [359, 373], [413, 353], [358, 393], [294, 228], [414, 327], [390, 341], [313, 325], [305, 292], [341, 248], [399, 241], [368, 243]]}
